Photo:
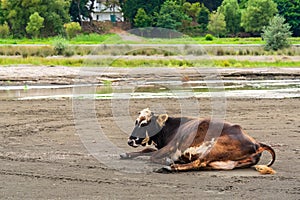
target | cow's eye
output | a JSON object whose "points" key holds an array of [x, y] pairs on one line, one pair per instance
{"points": [[136, 122], [143, 124]]}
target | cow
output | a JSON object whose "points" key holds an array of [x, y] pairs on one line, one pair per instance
{"points": [[185, 143]]}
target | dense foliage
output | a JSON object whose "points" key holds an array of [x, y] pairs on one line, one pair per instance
{"points": [[141, 19], [217, 24], [130, 7], [290, 10], [257, 14], [78, 10], [34, 25], [194, 17], [171, 15], [17, 14], [232, 13]]}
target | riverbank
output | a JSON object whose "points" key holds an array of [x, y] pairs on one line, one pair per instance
{"points": [[62, 75]]}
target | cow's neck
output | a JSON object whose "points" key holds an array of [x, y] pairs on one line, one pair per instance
{"points": [[168, 131]]}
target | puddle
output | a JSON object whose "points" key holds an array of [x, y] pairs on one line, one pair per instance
{"points": [[159, 89]]}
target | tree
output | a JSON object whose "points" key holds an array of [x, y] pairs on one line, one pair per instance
{"points": [[242, 3], [192, 10], [142, 19], [130, 7], [217, 24], [230, 9], [258, 14], [1, 14], [290, 11], [211, 5], [78, 10], [203, 17], [17, 13], [90, 8], [35, 24], [276, 34], [171, 15]]}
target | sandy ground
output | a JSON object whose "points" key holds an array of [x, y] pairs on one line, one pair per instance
{"points": [[61, 75], [42, 156]]}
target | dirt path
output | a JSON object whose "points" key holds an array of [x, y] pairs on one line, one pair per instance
{"points": [[42, 156]]}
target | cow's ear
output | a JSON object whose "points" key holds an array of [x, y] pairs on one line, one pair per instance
{"points": [[161, 119]]}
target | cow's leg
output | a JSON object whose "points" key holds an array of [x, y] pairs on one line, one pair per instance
{"points": [[230, 164], [144, 152], [196, 164], [248, 162]]}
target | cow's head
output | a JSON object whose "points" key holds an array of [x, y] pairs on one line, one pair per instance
{"points": [[146, 126]]}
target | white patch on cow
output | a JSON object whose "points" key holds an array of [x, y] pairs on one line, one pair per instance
{"points": [[145, 116], [226, 165], [143, 122], [201, 150]]}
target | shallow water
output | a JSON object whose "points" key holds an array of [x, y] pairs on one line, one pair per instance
{"points": [[159, 89]]}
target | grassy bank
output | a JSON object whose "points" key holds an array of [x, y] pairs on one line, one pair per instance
{"points": [[164, 50], [116, 39], [78, 62], [80, 39]]}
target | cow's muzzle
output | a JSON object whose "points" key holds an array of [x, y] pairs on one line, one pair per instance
{"points": [[132, 142]]}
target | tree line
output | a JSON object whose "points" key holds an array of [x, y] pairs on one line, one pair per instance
{"points": [[40, 18], [220, 17]]}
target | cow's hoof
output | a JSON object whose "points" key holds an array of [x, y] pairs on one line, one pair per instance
{"points": [[164, 170], [168, 161], [125, 156]]}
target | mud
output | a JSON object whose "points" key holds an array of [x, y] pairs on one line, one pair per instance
{"points": [[61, 75], [42, 156]]}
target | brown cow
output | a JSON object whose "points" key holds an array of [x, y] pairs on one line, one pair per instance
{"points": [[195, 143]]}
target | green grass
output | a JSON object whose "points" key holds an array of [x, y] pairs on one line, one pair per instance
{"points": [[42, 61], [91, 39], [78, 62], [255, 64], [80, 39], [116, 39]]}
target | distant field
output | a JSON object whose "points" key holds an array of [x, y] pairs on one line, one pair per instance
{"points": [[107, 48], [116, 39]]}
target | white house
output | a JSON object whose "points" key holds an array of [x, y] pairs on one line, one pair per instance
{"points": [[107, 12]]}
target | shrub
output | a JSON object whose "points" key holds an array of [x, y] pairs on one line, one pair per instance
{"points": [[69, 52], [220, 52], [72, 29], [276, 34], [60, 45], [4, 30], [209, 37]]}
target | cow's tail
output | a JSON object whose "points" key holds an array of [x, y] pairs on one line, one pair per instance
{"points": [[264, 147], [266, 169]]}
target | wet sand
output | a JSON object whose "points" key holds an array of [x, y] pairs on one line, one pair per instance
{"points": [[42, 156]]}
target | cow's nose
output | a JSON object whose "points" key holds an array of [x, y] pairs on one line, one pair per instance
{"points": [[130, 142]]}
